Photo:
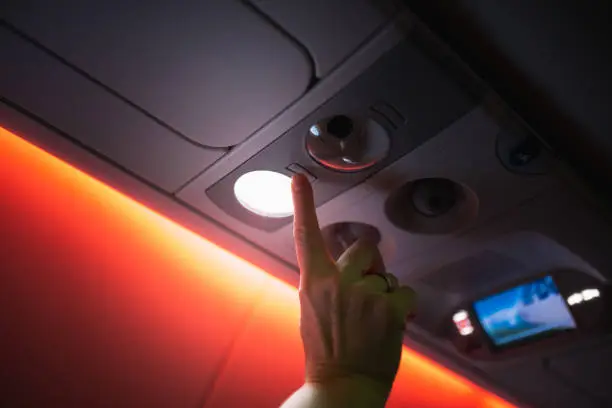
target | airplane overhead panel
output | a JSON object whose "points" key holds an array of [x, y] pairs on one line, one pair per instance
{"points": [[204, 111]]}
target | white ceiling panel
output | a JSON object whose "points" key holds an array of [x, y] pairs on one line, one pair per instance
{"points": [[35, 82], [214, 71], [330, 29]]}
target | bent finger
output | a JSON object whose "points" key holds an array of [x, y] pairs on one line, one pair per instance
{"points": [[374, 282], [356, 260], [404, 300]]}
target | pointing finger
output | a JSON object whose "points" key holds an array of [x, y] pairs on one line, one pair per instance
{"points": [[310, 247]]}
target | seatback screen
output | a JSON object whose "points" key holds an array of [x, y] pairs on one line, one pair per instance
{"points": [[524, 311]]}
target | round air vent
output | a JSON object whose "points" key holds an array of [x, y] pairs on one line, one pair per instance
{"points": [[522, 153], [432, 206], [347, 144], [434, 197]]}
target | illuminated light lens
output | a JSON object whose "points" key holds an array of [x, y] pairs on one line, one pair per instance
{"points": [[584, 296], [575, 299], [589, 294], [463, 323], [265, 193], [459, 316]]}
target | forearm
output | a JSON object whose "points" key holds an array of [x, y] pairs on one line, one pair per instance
{"points": [[355, 392]]}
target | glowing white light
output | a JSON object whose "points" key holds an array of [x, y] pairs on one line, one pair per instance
{"points": [[575, 299], [459, 316], [589, 294], [314, 129], [584, 296], [265, 193], [463, 323]]}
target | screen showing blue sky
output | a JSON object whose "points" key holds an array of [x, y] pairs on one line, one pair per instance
{"points": [[524, 311]]}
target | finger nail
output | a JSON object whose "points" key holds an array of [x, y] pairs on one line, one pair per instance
{"points": [[297, 181]]}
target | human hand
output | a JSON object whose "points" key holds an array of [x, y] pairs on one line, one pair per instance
{"points": [[352, 312]]}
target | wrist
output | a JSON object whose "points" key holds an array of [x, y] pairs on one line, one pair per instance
{"points": [[353, 391]]}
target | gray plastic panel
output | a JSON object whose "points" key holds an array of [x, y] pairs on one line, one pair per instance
{"points": [[330, 29], [532, 235], [587, 369], [474, 137], [86, 112], [418, 90], [215, 71], [530, 382], [558, 213]]}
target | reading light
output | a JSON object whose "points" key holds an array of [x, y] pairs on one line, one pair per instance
{"points": [[589, 294], [459, 316], [347, 144], [463, 323], [575, 299], [265, 193], [584, 296]]}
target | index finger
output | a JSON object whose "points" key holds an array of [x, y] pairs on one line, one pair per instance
{"points": [[309, 244]]}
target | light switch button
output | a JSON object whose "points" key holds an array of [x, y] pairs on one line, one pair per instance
{"points": [[297, 169]]}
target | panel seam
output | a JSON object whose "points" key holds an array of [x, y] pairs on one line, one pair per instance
{"points": [[14, 30], [277, 26]]}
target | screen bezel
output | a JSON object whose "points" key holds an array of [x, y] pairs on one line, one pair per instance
{"points": [[527, 340]]}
